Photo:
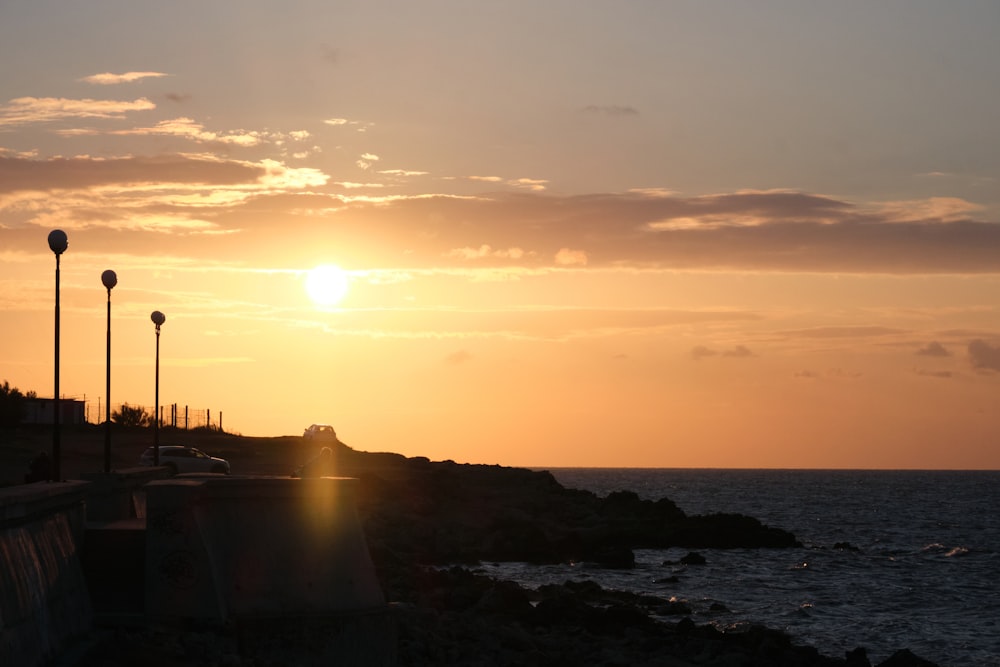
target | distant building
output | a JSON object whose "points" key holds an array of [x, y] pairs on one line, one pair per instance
{"points": [[42, 410]]}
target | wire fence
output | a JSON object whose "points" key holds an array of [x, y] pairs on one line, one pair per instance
{"points": [[175, 415]]}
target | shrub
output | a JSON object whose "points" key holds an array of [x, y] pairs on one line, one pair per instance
{"points": [[11, 405], [129, 415]]}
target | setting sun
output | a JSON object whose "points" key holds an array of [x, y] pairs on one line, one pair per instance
{"points": [[326, 284]]}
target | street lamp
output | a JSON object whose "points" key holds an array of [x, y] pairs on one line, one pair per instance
{"points": [[109, 279], [58, 244], [158, 319]]}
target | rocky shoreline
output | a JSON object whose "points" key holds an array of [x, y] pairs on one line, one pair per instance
{"points": [[423, 517], [430, 524]]}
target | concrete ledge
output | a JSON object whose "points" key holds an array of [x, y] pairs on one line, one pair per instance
{"points": [[44, 601], [120, 494], [220, 548], [24, 501]]}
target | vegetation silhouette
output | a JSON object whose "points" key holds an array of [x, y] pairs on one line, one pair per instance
{"points": [[129, 415], [12, 408]]}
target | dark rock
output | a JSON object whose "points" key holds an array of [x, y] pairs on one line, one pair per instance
{"points": [[729, 531], [616, 556], [674, 608], [858, 658], [693, 558], [905, 658]]}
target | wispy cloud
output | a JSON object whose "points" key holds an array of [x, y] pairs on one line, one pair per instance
{"points": [[188, 129], [109, 79], [767, 231], [486, 251], [367, 160], [24, 110], [357, 125], [933, 349], [700, 352], [613, 110], [984, 356], [862, 331]]}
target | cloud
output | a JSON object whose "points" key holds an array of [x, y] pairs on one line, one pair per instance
{"points": [[841, 373], [567, 257], [935, 374], [401, 172], [843, 332], [652, 230], [24, 110], [984, 356], [109, 79], [835, 373], [700, 352], [535, 184], [486, 251], [186, 128], [942, 209], [613, 110], [359, 126], [934, 349], [77, 173], [750, 231], [366, 160], [351, 185]]}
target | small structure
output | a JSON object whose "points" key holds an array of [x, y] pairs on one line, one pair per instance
{"points": [[41, 411]]}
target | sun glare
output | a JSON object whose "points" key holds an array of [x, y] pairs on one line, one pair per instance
{"points": [[327, 284]]}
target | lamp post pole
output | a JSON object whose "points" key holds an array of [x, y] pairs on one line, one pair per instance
{"points": [[109, 279], [158, 319], [58, 244]]}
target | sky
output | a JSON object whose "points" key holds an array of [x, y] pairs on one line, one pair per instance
{"points": [[567, 233]]}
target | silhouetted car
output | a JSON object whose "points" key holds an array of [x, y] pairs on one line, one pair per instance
{"points": [[181, 459], [320, 432]]}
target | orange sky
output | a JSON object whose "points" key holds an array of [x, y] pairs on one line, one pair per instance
{"points": [[650, 242]]}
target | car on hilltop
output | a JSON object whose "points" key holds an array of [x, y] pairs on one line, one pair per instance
{"points": [[181, 459], [323, 432]]}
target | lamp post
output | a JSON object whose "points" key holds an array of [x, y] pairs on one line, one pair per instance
{"points": [[58, 244], [109, 279], [158, 319]]}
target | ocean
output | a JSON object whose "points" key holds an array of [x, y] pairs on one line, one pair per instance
{"points": [[891, 559]]}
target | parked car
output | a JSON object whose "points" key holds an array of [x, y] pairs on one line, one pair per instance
{"points": [[181, 459], [320, 432]]}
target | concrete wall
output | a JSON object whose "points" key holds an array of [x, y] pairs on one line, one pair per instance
{"points": [[44, 602], [283, 561], [268, 553], [120, 494]]}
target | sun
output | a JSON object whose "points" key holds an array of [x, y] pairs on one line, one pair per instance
{"points": [[327, 284]]}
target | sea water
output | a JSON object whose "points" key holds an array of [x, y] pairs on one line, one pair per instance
{"points": [[891, 559]]}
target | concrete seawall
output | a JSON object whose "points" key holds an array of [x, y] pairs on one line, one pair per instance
{"points": [[279, 558], [44, 601], [281, 561]]}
